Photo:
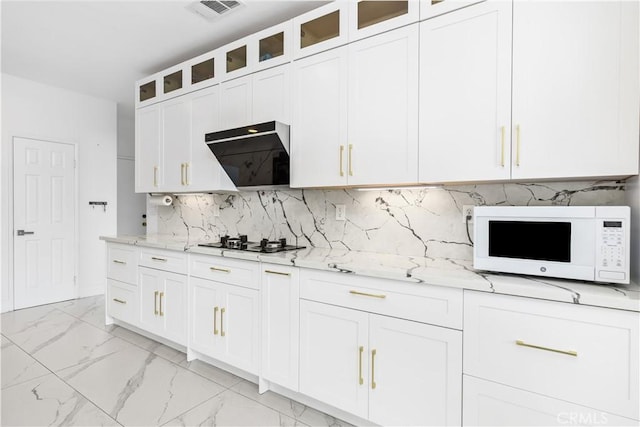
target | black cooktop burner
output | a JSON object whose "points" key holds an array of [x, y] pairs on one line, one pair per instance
{"points": [[241, 243]]}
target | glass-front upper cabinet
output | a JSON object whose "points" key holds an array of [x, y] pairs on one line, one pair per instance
{"points": [[272, 46], [369, 17], [431, 8], [320, 29], [237, 58], [173, 81], [146, 91], [204, 70]]}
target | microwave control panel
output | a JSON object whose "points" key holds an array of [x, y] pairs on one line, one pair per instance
{"points": [[611, 250]]}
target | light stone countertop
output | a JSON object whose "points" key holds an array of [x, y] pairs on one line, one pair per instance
{"points": [[427, 271]]}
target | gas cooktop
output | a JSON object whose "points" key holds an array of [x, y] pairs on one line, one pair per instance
{"points": [[241, 243]]}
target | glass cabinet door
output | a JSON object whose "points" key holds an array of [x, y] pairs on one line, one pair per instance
{"points": [[373, 12], [147, 91], [203, 71], [173, 81], [271, 47], [370, 17], [320, 29], [237, 59]]}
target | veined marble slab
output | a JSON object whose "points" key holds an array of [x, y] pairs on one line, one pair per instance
{"points": [[421, 270]]}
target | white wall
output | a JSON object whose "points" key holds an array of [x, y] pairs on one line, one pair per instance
{"points": [[38, 111]]}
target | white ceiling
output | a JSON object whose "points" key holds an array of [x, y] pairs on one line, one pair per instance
{"points": [[101, 48]]}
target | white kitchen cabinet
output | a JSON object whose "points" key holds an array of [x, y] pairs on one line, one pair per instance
{"points": [[148, 149], [235, 103], [271, 95], [567, 108], [320, 29], [224, 323], [585, 355], [273, 46], [148, 90], [280, 325], [204, 70], [176, 142], [575, 89], [465, 115], [239, 58], [431, 8], [379, 146], [487, 403], [383, 109], [121, 300], [319, 128], [360, 363], [162, 299], [368, 18]]}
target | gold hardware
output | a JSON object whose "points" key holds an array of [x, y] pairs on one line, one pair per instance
{"points": [[117, 261], [119, 301], [222, 310], [155, 176], [502, 146], [224, 270], [159, 259], [517, 145], [350, 156], [364, 294], [186, 173], [539, 347], [215, 325], [360, 366], [161, 295], [182, 173], [373, 368], [341, 155], [155, 303], [277, 272]]}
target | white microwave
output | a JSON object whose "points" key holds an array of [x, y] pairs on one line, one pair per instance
{"points": [[571, 242]]}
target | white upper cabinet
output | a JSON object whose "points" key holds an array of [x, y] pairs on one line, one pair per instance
{"points": [[273, 46], [176, 138], [431, 8], [173, 81], [465, 94], [319, 128], [271, 96], [204, 70], [148, 90], [235, 103], [575, 89], [369, 17], [320, 29], [383, 109], [148, 149], [238, 56]]}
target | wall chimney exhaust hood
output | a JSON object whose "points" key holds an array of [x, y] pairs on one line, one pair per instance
{"points": [[254, 156]]}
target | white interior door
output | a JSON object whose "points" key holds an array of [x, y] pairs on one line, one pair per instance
{"points": [[44, 222]]}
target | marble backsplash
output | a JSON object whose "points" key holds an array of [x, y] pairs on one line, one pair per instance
{"points": [[418, 222]]}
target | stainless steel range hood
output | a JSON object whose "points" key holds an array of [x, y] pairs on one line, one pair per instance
{"points": [[254, 156]]}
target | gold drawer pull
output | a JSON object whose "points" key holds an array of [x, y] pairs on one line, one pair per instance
{"points": [[159, 259], [161, 295], [119, 301], [215, 323], [181, 173], [222, 310], [277, 272], [350, 157], [360, 366], [364, 294], [155, 176], [373, 368], [341, 155], [155, 303], [223, 270], [539, 347], [117, 261]]}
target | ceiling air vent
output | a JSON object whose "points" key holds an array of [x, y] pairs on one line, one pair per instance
{"points": [[213, 9]]}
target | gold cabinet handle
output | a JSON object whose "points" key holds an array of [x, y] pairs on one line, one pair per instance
{"points": [[277, 272], [155, 303], [373, 368], [222, 270], [155, 176], [215, 322], [186, 173], [502, 146], [222, 310], [364, 294], [539, 347], [517, 145], [117, 261], [161, 295], [119, 301], [341, 155], [182, 173], [350, 158], [361, 380], [159, 259]]}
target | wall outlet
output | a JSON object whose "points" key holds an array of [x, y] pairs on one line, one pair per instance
{"points": [[467, 210], [216, 210], [341, 213]]}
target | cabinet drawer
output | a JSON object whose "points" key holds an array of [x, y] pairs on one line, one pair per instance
{"points": [[235, 272], [122, 262], [121, 301], [175, 262], [422, 303], [585, 355]]}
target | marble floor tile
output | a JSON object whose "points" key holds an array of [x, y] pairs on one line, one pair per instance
{"points": [[134, 338], [232, 409], [18, 366], [217, 375], [49, 401], [136, 387], [89, 309], [291, 408], [28, 319]]}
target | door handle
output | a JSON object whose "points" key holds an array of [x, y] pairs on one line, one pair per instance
{"points": [[24, 233]]}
